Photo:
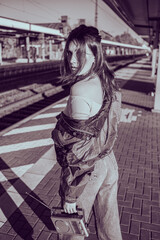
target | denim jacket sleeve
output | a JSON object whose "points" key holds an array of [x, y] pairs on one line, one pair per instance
{"points": [[77, 150]]}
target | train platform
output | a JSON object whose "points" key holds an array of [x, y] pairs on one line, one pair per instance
{"points": [[28, 164]]}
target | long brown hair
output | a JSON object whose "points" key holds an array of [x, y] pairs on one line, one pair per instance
{"points": [[82, 36]]}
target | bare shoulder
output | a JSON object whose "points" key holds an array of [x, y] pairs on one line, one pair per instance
{"points": [[90, 88]]}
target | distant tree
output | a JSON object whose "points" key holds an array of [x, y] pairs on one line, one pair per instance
{"points": [[106, 35], [9, 47], [127, 38]]}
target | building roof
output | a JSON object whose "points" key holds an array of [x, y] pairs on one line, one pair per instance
{"points": [[57, 25]]}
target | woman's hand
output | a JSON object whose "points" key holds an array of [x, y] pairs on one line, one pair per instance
{"points": [[70, 207]]}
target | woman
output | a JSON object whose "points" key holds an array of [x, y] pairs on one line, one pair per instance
{"points": [[85, 134]]}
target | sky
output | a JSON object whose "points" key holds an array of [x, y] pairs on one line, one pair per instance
{"points": [[47, 11]]}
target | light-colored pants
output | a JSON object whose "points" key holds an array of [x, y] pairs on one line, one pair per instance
{"points": [[101, 191]]}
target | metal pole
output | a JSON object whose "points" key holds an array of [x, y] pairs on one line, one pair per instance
{"points": [[0, 53], [43, 46], [157, 92], [50, 49], [155, 48], [96, 13], [28, 48]]}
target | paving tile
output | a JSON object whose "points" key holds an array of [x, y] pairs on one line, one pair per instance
{"points": [[125, 219], [131, 210], [151, 227], [155, 235], [128, 236], [5, 228], [37, 229], [145, 235], [125, 228], [135, 227], [4, 236], [156, 218], [141, 218], [137, 203], [53, 237], [44, 235]]}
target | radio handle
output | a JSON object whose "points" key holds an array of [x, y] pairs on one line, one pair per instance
{"points": [[79, 210]]}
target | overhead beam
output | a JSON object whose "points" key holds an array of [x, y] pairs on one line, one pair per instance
{"points": [[154, 18], [144, 36], [18, 25], [143, 26], [107, 42]]}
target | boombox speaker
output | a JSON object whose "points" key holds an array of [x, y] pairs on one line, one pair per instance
{"points": [[64, 223], [72, 224]]}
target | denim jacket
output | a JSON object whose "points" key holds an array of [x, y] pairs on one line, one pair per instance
{"points": [[80, 143]]}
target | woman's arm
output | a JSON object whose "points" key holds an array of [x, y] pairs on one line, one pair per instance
{"points": [[79, 108], [82, 95]]}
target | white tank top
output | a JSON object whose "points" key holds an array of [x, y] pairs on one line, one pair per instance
{"points": [[81, 107]]}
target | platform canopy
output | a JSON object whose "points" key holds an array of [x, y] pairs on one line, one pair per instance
{"points": [[141, 15], [12, 27]]}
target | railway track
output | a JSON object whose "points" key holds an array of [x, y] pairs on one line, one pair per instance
{"points": [[18, 104], [18, 112], [18, 98]]}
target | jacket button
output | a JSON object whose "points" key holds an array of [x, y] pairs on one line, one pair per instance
{"points": [[74, 133]]}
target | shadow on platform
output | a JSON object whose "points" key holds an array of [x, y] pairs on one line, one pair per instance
{"points": [[137, 86]]}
